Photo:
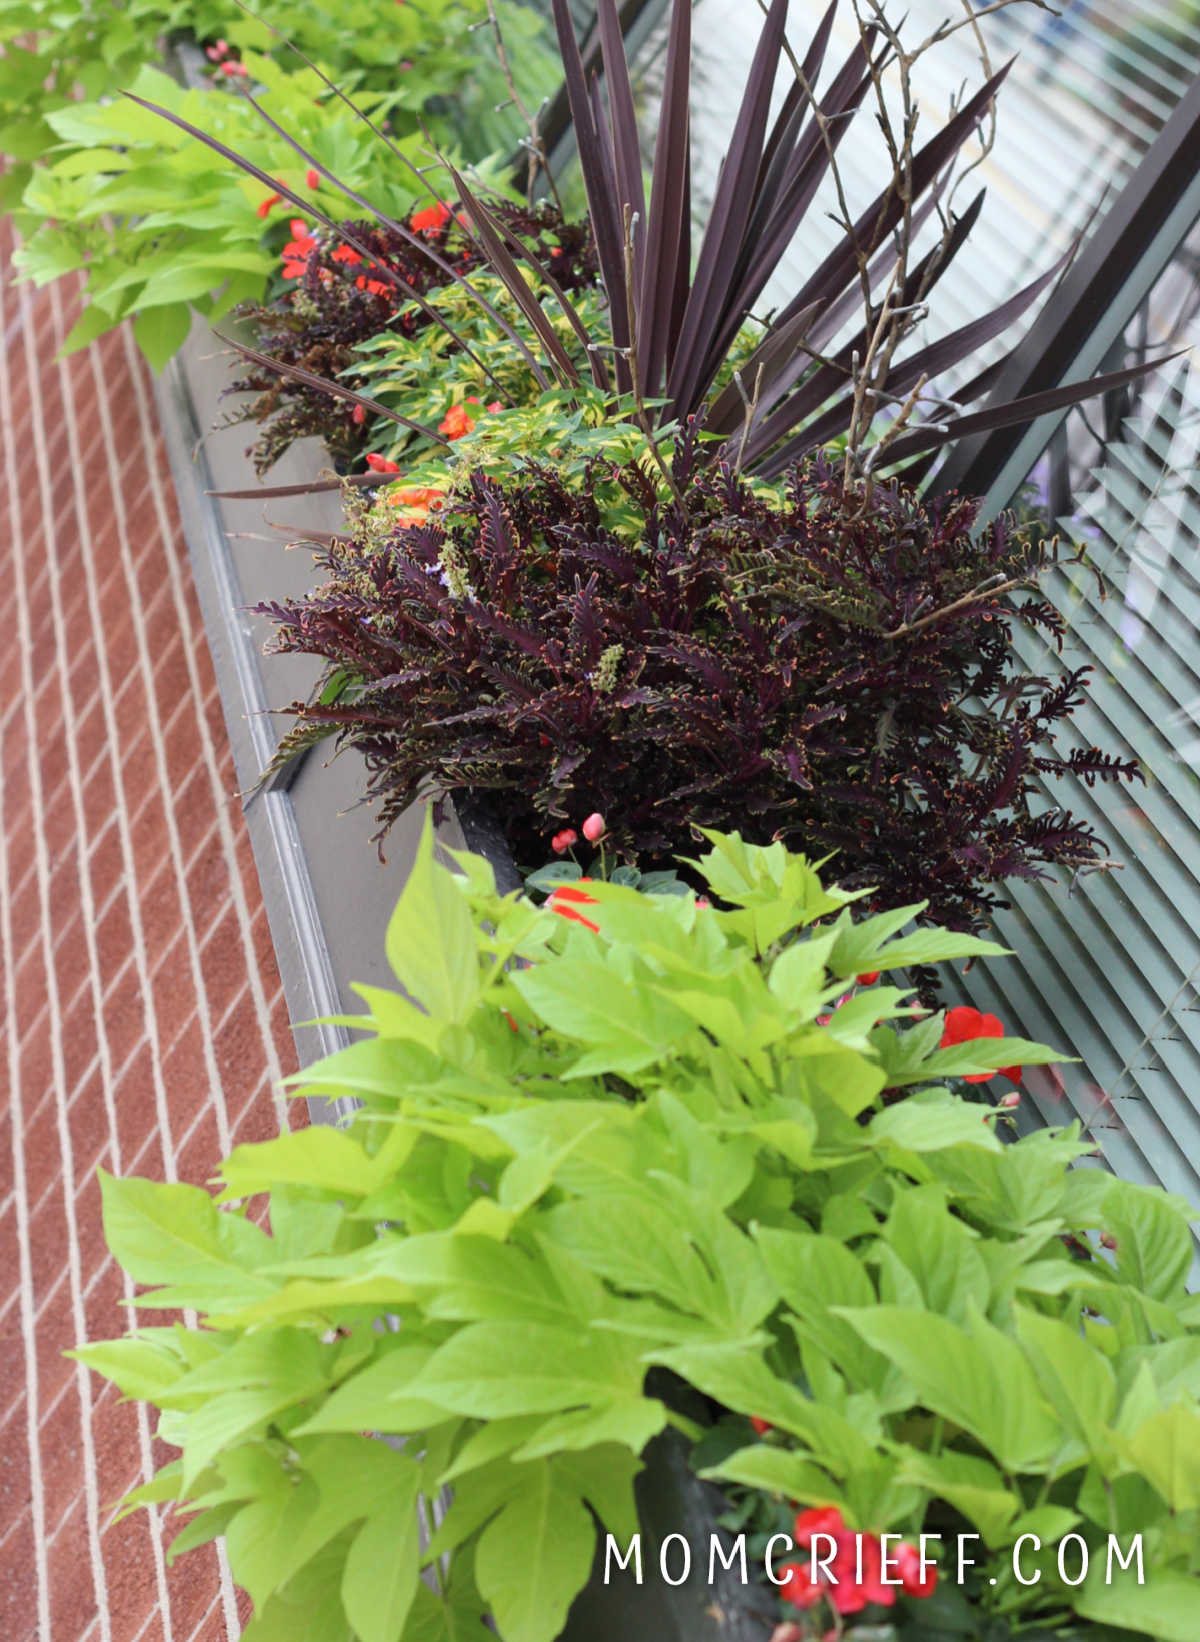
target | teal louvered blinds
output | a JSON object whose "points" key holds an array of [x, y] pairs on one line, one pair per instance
{"points": [[1109, 967]]}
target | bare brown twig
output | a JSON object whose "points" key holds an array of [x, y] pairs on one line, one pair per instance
{"points": [[534, 145], [889, 320], [989, 589]]}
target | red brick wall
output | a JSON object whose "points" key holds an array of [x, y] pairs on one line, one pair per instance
{"points": [[145, 1020]]}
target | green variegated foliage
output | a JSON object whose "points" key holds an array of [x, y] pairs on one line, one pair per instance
{"points": [[514, 418], [622, 1138], [331, 307]]}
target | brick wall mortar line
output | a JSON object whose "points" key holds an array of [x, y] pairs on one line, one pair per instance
{"points": [[124, 819], [163, 783], [23, 624], [89, 921], [229, 1599], [243, 914]]}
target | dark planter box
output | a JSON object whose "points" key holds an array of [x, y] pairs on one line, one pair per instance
{"points": [[329, 897]]}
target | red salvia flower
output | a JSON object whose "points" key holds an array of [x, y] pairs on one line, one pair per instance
{"points": [[963, 1025], [431, 219], [566, 901], [265, 207], [381, 464], [312, 178], [456, 422], [298, 249]]}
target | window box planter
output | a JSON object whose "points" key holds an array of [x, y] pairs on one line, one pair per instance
{"points": [[328, 898]]}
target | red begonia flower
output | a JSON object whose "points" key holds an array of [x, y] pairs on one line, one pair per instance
{"points": [[837, 1578], [856, 1596], [799, 1586], [908, 1564], [818, 1519]]}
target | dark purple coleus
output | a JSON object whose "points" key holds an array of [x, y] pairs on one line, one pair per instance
{"points": [[806, 671]]}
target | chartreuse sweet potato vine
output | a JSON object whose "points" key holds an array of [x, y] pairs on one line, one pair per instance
{"points": [[638, 1147]]}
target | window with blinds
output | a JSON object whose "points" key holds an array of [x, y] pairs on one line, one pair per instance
{"points": [[1109, 967]]}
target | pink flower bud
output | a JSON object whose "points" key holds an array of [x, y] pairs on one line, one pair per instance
{"points": [[1009, 1101], [562, 841], [1107, 1241], [593, 828]]}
